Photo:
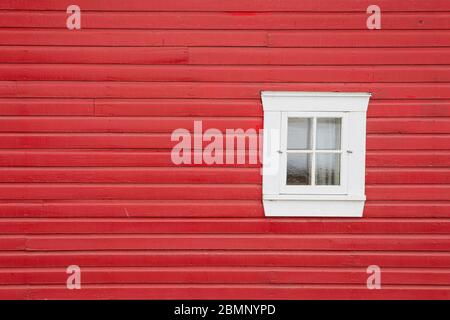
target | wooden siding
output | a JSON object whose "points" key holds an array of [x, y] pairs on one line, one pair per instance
{"points": [[86, 176]]}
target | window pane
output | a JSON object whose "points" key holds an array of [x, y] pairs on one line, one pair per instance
{"points": [[299, 133], [328, 134], [298, 169], [328, 168]]}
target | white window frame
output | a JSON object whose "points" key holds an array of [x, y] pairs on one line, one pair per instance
{"points": [[345, 200]]}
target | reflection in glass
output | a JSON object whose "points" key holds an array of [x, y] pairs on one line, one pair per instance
{"points": [[328, 169], [299, 136], [298, 169], [328, 134]]}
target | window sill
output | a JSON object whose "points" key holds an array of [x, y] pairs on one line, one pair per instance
{"points": [[329, 206]]}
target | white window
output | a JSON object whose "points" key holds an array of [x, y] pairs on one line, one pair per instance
{"points": [[314, 153]]}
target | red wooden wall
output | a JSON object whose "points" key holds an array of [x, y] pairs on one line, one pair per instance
{"points": [[85, 172]]}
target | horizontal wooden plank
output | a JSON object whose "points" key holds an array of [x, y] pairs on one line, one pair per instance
{"points": [[77, 72], [226, 225], [231, 292], [232, 5], [124, 55], [147, 208], [359, 39], [408, 142], [225, 56], [408, 125], [131, 107], [405, 158], [421, 109], [201, 175], [220, 38], [199, 209], [170, 124], [116, 157], [80, 140], [134, 175], [228, 259], [407, 175], [407, 209], [28, 107], [226, 20], [428, 243], [12, 243], [131, 191], [221, 275], [408, 192], [130, 124], [138, 38], [221, 292], [163, 141], [242, 141], [294, 56], [242, 292], [108, 89]]}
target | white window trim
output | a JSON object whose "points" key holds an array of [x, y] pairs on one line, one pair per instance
{"points": [[347, 201]]}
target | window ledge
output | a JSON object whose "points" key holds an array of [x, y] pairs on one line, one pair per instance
{"points": [[313, 207]]}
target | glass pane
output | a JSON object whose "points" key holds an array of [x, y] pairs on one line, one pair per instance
{"points": [[328, 134], [328, 169], [298, 169], [299, 133]]}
